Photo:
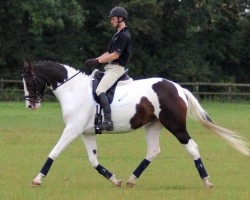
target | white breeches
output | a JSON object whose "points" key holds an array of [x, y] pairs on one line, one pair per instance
{"points": [[112, 74]]}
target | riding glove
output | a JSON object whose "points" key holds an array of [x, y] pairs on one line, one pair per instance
{"points": [[92, 61]]}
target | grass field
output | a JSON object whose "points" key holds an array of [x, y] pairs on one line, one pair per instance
{"points": [[27, 137]]}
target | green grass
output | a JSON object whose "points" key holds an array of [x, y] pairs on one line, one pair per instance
{"points": [[27, 137]]}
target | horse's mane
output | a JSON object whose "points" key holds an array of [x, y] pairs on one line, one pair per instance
{"points": [[56, 65], [52, 72]]}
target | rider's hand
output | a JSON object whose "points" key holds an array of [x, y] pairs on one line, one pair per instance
{"points": [[90, 62]]}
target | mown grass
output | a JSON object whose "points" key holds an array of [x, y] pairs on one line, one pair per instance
{"points": [[27, 137]]}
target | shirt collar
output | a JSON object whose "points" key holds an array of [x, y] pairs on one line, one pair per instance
{"points": [[125, 28]]}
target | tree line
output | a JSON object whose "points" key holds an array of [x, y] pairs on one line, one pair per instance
{"points": [[191, 40]]}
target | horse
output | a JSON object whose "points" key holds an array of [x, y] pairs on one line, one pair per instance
{"points": [[154, 103]]}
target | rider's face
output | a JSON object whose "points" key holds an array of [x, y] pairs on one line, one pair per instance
{"points": [[114, 21]]}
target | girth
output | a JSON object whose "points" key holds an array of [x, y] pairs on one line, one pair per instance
{"points": [[110, 93]]}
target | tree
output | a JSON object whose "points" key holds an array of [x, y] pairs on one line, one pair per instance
{"points": [[191, 40], [37, 30]]}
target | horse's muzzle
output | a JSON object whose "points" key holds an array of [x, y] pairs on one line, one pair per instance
{"points": [[33, 106]]}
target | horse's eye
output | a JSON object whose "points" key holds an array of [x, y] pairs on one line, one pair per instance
{"points": [[28, 84]]}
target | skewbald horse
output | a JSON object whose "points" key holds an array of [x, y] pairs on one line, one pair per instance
{"points": [[153, 103]]}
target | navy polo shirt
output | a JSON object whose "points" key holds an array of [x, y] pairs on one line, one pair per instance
{"points": [[121, 44]]}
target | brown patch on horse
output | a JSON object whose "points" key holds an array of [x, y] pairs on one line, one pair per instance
{"points": [[144, 114], [173, 110]]}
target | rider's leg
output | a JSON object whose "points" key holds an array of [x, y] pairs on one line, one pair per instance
{"points": [[112, 74], [107, 123]]}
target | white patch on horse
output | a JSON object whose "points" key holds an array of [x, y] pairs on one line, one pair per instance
{"points": [[26, 93]]}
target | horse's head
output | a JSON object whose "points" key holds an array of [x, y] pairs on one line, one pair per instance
{"points": [[33, 87]]}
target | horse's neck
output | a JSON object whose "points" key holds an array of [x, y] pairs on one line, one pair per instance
{"points": [[73, 90], [56, 75]]}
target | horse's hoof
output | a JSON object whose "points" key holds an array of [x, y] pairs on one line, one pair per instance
{"points": [[35, 184], [119, 183], [208, 185], [116, 182], [130, 184]]}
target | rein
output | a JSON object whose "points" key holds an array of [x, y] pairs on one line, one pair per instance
{"points": [[67, 80], [80, 71]]}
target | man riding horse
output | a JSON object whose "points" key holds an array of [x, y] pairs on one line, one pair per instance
{"points": [[117, 58]]}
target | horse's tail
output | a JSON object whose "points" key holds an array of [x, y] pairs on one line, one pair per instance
{"points": [[198, 113]]}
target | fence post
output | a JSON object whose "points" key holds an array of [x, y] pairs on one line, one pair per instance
{"points": [[229, 91]]}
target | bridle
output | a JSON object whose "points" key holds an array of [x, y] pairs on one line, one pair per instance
{"points": [[36, 95]]}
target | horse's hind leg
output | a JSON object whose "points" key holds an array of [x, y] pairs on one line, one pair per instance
{"points": [[192, 149], [175, 121], [152, 137]]}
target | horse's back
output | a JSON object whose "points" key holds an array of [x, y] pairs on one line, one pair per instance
{"points": [[152, 88], [134, 91]]}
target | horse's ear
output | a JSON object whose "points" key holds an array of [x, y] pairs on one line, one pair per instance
{"points": [[27, 65]]}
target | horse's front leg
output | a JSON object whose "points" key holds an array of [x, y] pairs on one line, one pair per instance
{"points": [[152, 137], [69, 134], [90, 144]]}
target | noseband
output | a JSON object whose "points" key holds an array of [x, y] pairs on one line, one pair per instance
{"points": [[36, 95]]}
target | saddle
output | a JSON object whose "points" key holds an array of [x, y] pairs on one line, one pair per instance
{"points": [[97, 77]]}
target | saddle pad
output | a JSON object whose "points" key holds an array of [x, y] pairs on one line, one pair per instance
{"points": [[121, 97]]}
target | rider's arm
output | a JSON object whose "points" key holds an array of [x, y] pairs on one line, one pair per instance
{"points": [[103, 55], [108, 57]]}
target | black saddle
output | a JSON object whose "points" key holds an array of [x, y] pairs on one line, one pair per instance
{"points": [[110, 93]]}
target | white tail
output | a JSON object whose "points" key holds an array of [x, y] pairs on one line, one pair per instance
{"points": [[198, 113]]}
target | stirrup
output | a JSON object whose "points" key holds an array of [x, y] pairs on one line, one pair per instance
{"points": [[106, 125]]}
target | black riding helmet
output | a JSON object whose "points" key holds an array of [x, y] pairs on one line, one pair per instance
{"points": [[118, 12]]}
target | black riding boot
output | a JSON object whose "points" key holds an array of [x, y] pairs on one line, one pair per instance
{"points": [[107, 124]]}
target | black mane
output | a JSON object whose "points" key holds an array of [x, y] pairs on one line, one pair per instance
{"points": [[51, 72]]}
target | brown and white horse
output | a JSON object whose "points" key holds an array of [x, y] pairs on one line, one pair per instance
{"points": [[153, 103]]}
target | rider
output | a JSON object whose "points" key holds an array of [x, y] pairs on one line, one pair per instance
{"points": [[117, 58]]}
